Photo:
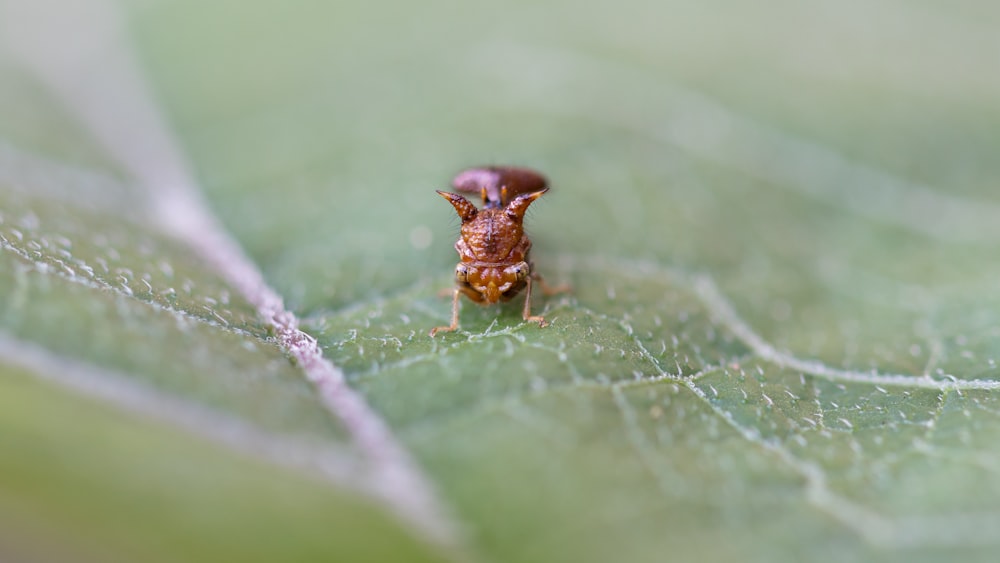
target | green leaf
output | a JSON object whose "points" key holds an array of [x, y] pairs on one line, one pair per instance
{"points": [[85, 483], [778, 222]]}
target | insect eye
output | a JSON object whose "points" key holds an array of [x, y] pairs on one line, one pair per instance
{"points": [[521, 270], [462, 273]]}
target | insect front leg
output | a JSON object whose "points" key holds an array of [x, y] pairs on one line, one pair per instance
{"points": [[454, 315], [526, 313]]}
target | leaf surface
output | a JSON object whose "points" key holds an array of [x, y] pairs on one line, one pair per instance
{"points": [[777, 222]]}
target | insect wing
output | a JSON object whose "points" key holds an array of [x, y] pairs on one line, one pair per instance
{"points": [[498, 185]]}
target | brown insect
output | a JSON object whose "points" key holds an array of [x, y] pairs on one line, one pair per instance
{"points": [[493, 247]]}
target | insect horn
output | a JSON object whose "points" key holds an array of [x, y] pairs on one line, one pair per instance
{"points": [[465, 210], [516, 208]]}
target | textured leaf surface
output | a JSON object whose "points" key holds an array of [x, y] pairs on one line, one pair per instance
{"points": [[778, 221]]}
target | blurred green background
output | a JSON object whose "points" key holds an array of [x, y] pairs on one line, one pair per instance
{"points": [[830, 168]]}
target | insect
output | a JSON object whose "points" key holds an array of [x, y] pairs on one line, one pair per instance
{"points": [[493, 247]]}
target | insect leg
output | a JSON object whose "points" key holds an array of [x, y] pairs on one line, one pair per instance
{"points": [[548, 289], [526, 314], [454, 316]]}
